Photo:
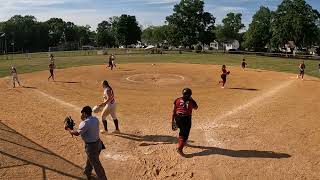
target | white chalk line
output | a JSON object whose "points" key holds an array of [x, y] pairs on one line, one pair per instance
{"points": [[117, 156], [208, 127], [76, 108], [130, 77]]}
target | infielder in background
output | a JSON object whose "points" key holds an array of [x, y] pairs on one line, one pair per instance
{"points": [[243, 64], [51, 66], [112, 63], [181, 117], [224, 75], [52, 58], [14, 75], [109, 107], [302, 67]]}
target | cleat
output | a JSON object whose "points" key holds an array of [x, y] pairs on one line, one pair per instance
{"points": [[180, 152]]}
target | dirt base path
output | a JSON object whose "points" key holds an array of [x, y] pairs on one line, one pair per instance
{"points": [[263, 125]]}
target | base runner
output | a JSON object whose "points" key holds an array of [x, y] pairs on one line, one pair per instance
{"points": [[224, 75], [181, 117]]}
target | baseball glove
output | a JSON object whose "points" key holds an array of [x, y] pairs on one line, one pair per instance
{"points": [[228, 72], [69, 123]]}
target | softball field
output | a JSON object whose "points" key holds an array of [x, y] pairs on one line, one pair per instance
{"points": [[263, 125]]}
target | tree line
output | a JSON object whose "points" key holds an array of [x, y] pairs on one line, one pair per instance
{"points": [[189, 24]]}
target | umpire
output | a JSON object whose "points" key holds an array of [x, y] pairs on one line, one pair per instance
{"points": [[89, 131], [181, 117]]}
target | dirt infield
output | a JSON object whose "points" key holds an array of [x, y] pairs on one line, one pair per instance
{"points": [[263, 125]]}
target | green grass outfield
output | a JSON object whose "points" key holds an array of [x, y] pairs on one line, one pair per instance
{"points": [[26, 65]]}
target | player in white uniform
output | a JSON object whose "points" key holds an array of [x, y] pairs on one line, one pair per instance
{"points": [[14, 75], [109, 107]]}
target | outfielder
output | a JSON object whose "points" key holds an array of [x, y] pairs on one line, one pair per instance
{"points": [[109, 108], [51, 66], [243, 64], [181, 117], [14, 75], [112, 63], [302, 67]]}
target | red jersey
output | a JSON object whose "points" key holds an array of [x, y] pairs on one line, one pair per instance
{"points": [[184, 107]]}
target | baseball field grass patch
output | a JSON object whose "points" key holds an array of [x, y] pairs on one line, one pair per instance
{"points": [[40, 63]]}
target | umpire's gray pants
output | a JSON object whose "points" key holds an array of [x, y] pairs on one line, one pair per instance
{"points": [[93, 151]]}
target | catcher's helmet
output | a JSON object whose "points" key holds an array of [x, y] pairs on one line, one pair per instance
{"points": [[186, 92]]}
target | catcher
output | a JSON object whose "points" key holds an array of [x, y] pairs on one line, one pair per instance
{"points": [[224, 75], [181, 117], [89, 132]]}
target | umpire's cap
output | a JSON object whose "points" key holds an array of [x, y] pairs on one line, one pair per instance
{"points": [[87, 110]]}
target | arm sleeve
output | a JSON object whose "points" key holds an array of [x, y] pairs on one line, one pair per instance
{"points": [[83, 127]]}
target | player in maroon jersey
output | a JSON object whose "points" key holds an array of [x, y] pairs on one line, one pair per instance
{"points": [[181, 117], [224, 75]]}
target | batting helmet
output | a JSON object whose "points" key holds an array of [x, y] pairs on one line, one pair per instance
{"points": [[186, 92]]}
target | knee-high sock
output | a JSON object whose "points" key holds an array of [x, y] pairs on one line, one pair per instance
{"points": [[105, 125], [181, 143], [116, 123]]}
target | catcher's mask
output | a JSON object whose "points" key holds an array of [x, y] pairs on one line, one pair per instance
{"points": [[186, 92]]}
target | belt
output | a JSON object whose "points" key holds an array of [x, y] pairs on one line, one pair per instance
{"points": [[180, 114], [92, 142]]}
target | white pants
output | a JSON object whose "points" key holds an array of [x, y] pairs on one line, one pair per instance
{"points": [[109, 109], [15, 79]]}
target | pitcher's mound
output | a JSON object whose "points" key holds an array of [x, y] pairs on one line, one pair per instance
{"points": [[158, 79]]}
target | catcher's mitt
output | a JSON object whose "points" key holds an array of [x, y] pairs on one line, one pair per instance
{"points": [[69, 123]]}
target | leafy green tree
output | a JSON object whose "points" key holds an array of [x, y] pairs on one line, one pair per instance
{"points": [[230, 29], [126, 29], [56, 31], [105, 35], [294, 20], [259, 32], [155, 34], [190, 24]]}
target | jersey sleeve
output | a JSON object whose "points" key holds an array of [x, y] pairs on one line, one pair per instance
{"points": [[194, 103], [83, 127]]}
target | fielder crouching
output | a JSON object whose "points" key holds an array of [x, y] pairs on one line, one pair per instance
{"points": [[89, 131], [181, 117]]}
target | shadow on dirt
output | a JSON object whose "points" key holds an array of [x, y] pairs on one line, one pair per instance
{"points": [[29, 87], [246, 89], [206, 151], [68, 82], [236, 153], [17, 150], [149, 140]]}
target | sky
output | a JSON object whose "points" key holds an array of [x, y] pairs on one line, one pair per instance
{"points": [[148, 12]]}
